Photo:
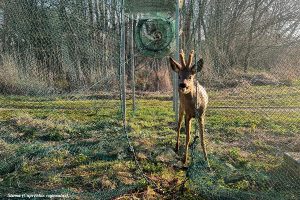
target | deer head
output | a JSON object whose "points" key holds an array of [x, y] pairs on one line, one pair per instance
{"points": [[186, 71]]}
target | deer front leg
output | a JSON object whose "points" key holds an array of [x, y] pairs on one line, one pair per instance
{"points": [[187, 139], [201, 123], [181, 112]]}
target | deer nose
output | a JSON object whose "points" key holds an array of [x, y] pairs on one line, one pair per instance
{"points": [[182, 85]]}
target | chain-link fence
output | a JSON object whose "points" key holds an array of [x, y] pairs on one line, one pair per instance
{"points": [[89, 103]]}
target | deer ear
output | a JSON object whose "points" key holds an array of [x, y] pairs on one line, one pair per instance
{"points": [[175, 65], [199, 66]]}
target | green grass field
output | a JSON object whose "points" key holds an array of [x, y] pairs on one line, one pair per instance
{"points": [[77, 145]]}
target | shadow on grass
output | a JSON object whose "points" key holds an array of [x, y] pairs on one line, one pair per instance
{"points": [[227, 181], [90, 150]]}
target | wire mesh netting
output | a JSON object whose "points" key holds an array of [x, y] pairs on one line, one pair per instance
{"points": [[72, 146], [87, 96]]}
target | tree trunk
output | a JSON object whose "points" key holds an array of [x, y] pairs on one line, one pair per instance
{"points": [[250, 37]]}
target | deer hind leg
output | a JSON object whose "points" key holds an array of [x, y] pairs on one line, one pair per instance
{"points": [[187, 139], [181, 112], [203, 143]]}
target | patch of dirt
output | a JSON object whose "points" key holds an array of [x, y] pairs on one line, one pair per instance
{"points": [[264, 79], [166, 155], [125, 177], [106, 183]]}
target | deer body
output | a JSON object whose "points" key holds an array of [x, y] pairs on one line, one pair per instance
{"points": [[193, 100]]}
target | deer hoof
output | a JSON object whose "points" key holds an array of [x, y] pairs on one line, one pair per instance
{"points": [[177, 148], [208, 166], [184, 160]]}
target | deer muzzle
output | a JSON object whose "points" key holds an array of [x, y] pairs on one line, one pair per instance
{"points": [[183, 88], [182, 85]]}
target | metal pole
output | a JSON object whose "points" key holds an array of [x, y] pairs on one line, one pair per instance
{"points": [[122, 61], [175, 76], [196, 57], [132, 66]]}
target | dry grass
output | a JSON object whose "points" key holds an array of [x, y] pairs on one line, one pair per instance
{"points": [[287, 70], [13, 79]]}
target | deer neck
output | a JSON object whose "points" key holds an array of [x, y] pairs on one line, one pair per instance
{"points": [[191, 95]]}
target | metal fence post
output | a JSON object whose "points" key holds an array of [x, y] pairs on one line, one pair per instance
{"points": [[132, 64], [175, 76], [122, 61]]}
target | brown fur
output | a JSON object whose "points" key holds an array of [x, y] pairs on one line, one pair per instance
{"points": [[193, 99]]}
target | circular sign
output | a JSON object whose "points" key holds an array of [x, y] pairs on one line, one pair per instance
{"points": [[155, 37]]}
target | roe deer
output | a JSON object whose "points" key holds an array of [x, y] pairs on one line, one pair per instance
{"points": [[193, 99]]}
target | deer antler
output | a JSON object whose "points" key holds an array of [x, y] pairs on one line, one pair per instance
{"points": [[182, 58], [191, 56]]}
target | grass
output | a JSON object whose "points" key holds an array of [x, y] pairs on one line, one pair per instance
{"points": [[78, 144]]}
